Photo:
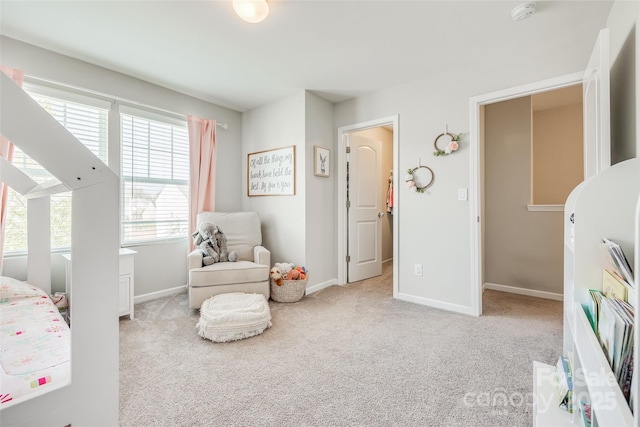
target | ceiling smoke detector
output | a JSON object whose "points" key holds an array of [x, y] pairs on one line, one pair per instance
{"points": [[523, 11]]}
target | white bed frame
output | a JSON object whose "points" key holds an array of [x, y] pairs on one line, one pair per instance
{"points": [[92, 398]]}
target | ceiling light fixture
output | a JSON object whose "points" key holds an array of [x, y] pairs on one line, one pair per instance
{"points": [[252, 11], [523, 11]]}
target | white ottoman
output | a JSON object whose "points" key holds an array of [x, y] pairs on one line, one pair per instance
{"points": [[233, 316]]}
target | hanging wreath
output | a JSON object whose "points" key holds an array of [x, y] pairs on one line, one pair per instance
{"points": [[419, 178], [451, 147]]}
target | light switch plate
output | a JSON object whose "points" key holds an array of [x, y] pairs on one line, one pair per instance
{"points": [[417, 270], [462, 194]]}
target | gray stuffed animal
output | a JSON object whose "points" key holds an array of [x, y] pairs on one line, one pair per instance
{"points": [[213, 244], [205, 240], [225, 255]]}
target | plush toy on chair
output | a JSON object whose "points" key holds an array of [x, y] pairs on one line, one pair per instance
{"points": [[213, 244], [205, 240], [225, 255]]}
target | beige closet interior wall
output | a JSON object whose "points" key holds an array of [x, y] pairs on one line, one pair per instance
{"points": [[522, 249], [557, 151]]}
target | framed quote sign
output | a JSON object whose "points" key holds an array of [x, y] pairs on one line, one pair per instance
{"points": [[272, 172]]}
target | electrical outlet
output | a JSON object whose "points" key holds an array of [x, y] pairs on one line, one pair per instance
{"points": [[417, 269]]}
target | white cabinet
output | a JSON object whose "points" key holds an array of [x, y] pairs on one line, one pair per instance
{"points": [[606, 205], [124, 296], [125, 282]]}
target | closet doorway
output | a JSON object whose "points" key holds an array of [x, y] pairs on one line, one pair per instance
{"points": [[532, 160], [366, 191]]}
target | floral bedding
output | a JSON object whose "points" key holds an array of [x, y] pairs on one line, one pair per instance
{"points": [[35, 343]]}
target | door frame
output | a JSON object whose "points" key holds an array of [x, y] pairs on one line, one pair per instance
{"points": [[342, 226], [476, 196]]}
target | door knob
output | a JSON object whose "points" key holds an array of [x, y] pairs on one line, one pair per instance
{"points": [[380, 214]]}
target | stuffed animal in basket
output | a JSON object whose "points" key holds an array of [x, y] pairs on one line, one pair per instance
{"points": [[298, 273], [293, 275], [213, 244], [276, 276], [284, 267]]}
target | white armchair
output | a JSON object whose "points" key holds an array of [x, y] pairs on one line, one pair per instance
{"points": [[249, 274]]}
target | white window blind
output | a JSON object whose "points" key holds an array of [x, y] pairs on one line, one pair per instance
{"points": [[155, 178], [87, 120]]}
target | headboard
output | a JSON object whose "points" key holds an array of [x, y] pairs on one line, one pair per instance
{"points": [[93, 396]]}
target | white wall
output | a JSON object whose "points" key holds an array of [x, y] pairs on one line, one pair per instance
{"points": [[624, 38], [299, 228], [434, 227], [276, 125], [158, 266], [320, 194]]}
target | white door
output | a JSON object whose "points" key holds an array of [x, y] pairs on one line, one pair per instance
{"points": [[365, 211], [595, 86]]}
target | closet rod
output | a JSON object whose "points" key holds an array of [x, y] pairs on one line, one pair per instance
{"points": [[111, 98]]}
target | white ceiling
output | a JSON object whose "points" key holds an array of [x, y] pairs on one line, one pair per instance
{"points": [[338, 49]]}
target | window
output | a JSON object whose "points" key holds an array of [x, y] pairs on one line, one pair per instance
{"points": [[86, 119], [155, 177]]}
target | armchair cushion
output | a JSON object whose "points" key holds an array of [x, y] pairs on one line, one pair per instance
{"points": [[241, 228], [224, 273]]}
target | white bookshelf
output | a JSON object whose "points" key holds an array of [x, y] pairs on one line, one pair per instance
{"points": [[606, 205]]}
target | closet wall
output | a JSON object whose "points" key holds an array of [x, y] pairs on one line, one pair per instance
{"points": [[522, 249]]}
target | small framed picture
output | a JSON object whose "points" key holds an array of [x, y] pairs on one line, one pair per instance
{"points": [[321, 161]]}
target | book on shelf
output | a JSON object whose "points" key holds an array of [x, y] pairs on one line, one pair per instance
{"points": [[614, 320], [564, 384], [617, 262], [607, 329], [594, 309], [613, 286], [633, 387], [585, 413]]}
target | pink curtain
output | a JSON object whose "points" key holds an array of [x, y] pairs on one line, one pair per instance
{"points": [[6, 151], [202, 174]]}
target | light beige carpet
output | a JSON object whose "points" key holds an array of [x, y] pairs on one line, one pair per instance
{"points": [[344, 356]]}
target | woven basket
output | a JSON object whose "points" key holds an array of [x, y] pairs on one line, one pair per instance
{"points": [[289, 291]]}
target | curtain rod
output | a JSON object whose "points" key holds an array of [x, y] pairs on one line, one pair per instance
{"points": [[111, 98]]}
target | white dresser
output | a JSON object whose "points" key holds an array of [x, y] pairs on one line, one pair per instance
{"points": [[125, 282]]}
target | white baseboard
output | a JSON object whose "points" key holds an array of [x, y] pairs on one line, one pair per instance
{"points": [[524, 291], [387, 260], [159, 294], [180, 289], [321, 286], [437, 304]]}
